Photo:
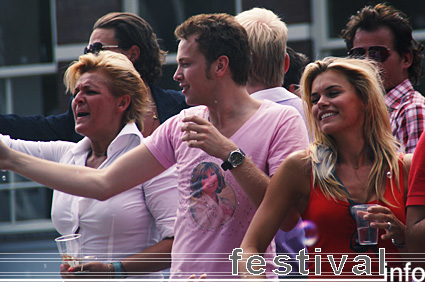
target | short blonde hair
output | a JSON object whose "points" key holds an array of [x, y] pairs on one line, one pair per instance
{"points": [[267, 36], [379, 142], [124, 80]]}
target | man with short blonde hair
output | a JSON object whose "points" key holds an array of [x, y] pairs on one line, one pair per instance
{"points": [[267, 36]]}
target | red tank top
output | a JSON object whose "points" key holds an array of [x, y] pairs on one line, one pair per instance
{"points": [[335, 228]]}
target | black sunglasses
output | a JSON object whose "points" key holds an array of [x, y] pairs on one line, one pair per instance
{"points": [[97, 47], [376, 53]]}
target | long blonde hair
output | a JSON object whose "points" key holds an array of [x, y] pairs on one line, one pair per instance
{"points": [[380, 144]]}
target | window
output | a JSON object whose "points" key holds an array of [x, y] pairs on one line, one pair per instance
{"points": [[166, 17], [23, 36], [342, 10], [28, 86]]}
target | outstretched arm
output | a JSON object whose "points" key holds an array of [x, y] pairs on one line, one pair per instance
{"points": [[126, 172], [40, 128], [286, 197]]}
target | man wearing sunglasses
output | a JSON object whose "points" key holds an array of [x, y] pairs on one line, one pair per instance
{"points": [[125, 33], [384, 34]]}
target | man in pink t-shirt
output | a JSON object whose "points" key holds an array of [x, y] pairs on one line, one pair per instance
{"points": [[267, 36], [250, 136]]}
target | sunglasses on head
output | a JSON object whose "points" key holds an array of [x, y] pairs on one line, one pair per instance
{"points": [[97, 47], [376, 53]]}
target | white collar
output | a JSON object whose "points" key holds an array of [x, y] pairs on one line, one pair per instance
{"points": [[84, 145], [276, 94]]}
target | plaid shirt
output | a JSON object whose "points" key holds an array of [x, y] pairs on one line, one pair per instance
{"points": [[407, 114]]}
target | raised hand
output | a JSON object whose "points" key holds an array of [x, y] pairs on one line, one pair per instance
{"points": [[201, 134]]}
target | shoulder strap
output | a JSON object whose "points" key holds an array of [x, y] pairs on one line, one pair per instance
{"points": [[350, 201]]}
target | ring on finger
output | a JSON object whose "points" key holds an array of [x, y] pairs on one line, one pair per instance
{"points": [[389, 226]]}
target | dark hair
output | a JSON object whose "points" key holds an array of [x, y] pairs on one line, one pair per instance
{"points": [[218, 35], [372, 18], [197, 175], [130, 30], [297, 63]]}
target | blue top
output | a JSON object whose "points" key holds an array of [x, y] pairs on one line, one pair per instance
{"points": [[62, 127]]}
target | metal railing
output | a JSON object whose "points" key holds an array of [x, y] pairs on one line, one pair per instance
{"points": [[16, 224]]}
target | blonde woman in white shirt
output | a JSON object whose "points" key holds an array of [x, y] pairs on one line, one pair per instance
{"points": [[110, 101]]}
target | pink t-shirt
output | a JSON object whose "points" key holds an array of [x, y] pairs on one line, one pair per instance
{"points": [[209, 227]]}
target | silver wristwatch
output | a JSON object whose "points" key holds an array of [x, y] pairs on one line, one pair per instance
{"points": [[235, 159]]}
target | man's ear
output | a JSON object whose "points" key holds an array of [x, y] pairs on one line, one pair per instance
{"points": [[407, 59], [123, 102], [287, 62], [134, 53], [221, 65]]}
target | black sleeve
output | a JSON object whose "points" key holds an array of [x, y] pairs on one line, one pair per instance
{"points": [[40, 128]]}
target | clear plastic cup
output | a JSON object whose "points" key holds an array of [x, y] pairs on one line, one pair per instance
{"points": [[366, 234], [69, 247]]}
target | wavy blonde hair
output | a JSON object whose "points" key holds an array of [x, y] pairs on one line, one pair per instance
{"points": [[380, 144], [123, 80]]}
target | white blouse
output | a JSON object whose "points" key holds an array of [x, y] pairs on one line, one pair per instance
{"points": [[122, 225]]}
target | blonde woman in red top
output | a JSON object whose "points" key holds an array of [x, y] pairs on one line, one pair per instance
{"points": [[353, 159]]}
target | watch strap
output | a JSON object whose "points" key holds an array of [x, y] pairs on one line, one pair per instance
{"points": [[226, 165]]}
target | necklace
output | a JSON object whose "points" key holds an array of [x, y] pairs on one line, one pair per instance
{"points": [[356, 167], [94, 159]]}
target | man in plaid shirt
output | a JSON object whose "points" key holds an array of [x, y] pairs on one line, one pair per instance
{"points": [[384, 34]]}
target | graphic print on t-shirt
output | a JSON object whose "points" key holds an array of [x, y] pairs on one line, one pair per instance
{"points": [[212, 201]]}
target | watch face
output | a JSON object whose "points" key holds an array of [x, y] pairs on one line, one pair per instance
{"points": [[236, 158]]}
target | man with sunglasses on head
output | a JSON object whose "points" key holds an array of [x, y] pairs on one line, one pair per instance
{"points": [[132, 36], [384, 34], [125, 33]]}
